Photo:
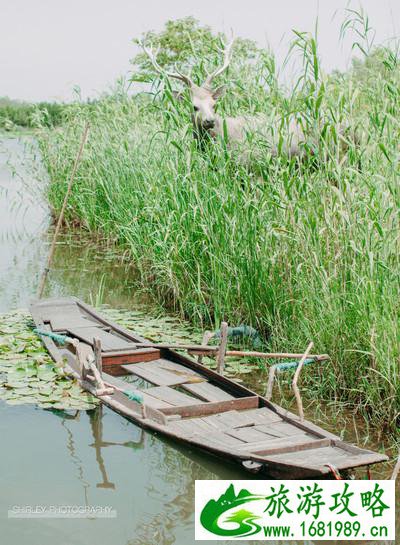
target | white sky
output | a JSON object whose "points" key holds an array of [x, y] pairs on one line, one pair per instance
{"points": [[48, 46]]}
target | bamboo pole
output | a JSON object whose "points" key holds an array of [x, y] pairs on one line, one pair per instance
{"points": [[222, 348], [270, 384], [204, 350], [61, 216], [276, 355], [295, 379], [396, 469], [208, 335]]}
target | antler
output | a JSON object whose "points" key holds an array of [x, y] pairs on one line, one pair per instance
{"points": [[227, 50], [153, 58]]}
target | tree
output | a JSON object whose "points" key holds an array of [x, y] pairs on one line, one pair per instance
{"points": [[191, 46]]}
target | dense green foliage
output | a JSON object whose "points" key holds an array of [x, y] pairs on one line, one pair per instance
{"points": [[15, 113], [185, 43], [302, 250]]}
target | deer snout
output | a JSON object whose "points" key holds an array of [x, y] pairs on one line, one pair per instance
{"points": [[208, 123]]}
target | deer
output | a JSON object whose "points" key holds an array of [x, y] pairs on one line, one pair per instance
{"points": [[207, 121]]}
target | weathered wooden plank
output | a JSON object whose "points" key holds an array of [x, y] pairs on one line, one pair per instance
{"points": [[213, 443], [298, 448], [312, 428], [310, 457], [361, 460], [266, 430], [59, 314], [171, 396], [147, 400], [262, 415], [133, 409], [189, 427], [329, 453], [208, 392], [268, 444], [176, 368], [200, 423], [284, 429], [117, 360], [203, 409], [229, 419], [52, 311], [155, 374], [226, 440], [248, 434], [63, 323], [108, 341]]}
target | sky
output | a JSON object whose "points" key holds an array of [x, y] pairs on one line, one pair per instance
{"points": [[48, 47]]}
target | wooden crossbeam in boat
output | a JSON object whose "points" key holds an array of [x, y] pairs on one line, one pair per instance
{"points": [[117, 359], [294, 446], [203, 409]]}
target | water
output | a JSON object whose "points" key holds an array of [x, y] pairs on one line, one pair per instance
{"points": [[24, 219], [96, 458]]}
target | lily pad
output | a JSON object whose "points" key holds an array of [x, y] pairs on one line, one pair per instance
{"points": [[27, 373]]}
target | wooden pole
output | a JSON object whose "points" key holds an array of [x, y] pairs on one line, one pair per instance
{"points": [[206, 338], [270, 385], [204, 350], [97, 354], [396, 469], [222, 348], [61, 216], [295, 379]]}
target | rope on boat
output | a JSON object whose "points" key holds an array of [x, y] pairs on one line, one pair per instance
{"points": [[133, 396], [334, 471], [292, 364], [279, 367], [62, 339]]}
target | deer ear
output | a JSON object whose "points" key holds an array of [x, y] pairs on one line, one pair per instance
{"points": [[219, 92]]}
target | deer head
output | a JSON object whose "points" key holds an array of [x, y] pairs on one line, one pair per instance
{"points": [[203, 96]]}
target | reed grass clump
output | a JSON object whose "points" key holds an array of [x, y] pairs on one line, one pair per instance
{"points": [[300, 249]]}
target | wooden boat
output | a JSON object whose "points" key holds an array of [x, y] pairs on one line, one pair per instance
{"points": [[175, 395]]}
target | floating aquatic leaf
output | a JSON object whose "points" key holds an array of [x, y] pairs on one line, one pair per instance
{"points": [[30, 374], [27, 373]]}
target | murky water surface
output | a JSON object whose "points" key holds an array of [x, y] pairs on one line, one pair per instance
{"points": [[94, 458]]}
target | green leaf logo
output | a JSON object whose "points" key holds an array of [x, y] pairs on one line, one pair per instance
{"points": [[244, 519]]}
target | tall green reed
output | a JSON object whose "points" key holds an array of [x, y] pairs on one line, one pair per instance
{"points": [[299, 249]]}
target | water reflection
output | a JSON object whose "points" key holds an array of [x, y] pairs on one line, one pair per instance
{"points": [[93, 272], [70, 444], [24, 219], [78, 268], [96, 424]]}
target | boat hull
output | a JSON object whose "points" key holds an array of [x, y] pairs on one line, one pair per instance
{"points": [[191, 404]]}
